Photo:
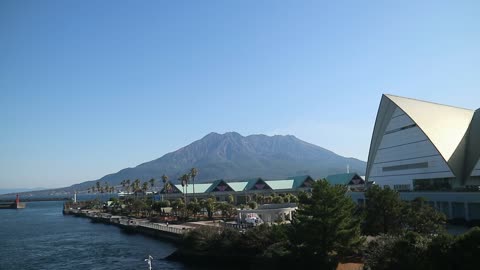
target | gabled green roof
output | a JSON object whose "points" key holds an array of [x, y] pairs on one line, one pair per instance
{"points": [[216, 183], [199, 188], [341, 179], [174, 189], [299, 180], [280, 184], [252, 182], [238, 186]]}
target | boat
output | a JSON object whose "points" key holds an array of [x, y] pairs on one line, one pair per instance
{"points": [[15, 205]]}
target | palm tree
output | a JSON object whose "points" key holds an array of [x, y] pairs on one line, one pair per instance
{"points": [[98, 186], [145, 187], [127, 184], [107, 187], [136, 186], [184, 180], [152, 183], [193, 173], [165, 180]]}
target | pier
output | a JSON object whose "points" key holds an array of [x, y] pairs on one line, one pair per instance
{"points": [[171, 232]]}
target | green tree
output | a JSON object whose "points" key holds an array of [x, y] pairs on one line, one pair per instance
{"points": [[252, 204], [157, 206], [128, 186], [259, 198], [165, 185], [123, 183], [278, 199], [136, 186], [420, 217], [138, 206], [267, 199], [178, 206], [383, 211], [407, 251], [439, 253], [324, 228], [466, 250], [184, 181], [230, 199], [268, 240], [145, 187], [193, 173], [152, 184], [98, 186], [209, 205], [228, 210], [194, 207]]}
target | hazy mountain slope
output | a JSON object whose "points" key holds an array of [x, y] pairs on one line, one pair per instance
{"points": [[232, 156]]}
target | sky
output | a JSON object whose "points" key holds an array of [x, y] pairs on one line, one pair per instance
{"points": [[88, 88]]}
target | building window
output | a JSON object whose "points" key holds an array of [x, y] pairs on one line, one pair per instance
{"points": [[404, 187], [406, 167], [400, 129], [436, 184]]}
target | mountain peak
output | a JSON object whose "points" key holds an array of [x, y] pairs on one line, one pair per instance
{"points": [[226, 134], [233, 156]]}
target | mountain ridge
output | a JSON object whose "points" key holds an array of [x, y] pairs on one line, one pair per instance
{"points": [[232, 156]]}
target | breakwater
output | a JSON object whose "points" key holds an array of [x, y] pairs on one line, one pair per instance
{"points": [[172, 233]]}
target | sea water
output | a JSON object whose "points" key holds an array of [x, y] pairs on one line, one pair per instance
{"points": [[41, 237]]}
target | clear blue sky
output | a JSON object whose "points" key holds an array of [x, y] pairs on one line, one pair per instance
{"points": [[91, 87]]}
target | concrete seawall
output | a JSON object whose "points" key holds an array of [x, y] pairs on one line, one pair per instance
{"points": [[171, 233]]}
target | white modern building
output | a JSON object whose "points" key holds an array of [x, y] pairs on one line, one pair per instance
{"points": [[424, 146]]}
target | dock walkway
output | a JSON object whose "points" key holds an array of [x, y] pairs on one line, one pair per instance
{"points": [[171, 232]]}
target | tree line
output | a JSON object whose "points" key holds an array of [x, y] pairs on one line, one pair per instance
{"points": [[328, 227]]}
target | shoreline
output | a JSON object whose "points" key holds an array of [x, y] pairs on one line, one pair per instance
{"points": [[37, 199], [171, 233]]}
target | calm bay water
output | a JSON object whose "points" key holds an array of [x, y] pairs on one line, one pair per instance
{"points": [[41, 237]]}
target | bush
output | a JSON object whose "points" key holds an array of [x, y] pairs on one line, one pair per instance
{"points": [[397, 252], [466, 250], [416, 251], [277, 199], [202, 238]]}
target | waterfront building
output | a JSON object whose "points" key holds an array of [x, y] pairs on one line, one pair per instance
{"points": [[353, 181], [420, 145], [241, 190], [428, 150]]}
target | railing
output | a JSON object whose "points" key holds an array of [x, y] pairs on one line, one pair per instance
{"points": [[160, 227], [239, 226]]}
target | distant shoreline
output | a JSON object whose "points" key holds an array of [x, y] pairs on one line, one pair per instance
{"points": [[37, 199]]}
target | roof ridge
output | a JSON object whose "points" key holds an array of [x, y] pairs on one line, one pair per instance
{"points": [[436, 103]]}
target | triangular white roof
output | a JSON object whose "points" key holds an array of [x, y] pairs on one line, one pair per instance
{"points": [[444, 125]]}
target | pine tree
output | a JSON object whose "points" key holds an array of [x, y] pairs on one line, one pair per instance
{"points": [[383, 211], [324, 228]]}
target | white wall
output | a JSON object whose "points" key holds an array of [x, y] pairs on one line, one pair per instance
{"points": [[403, 147]]}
